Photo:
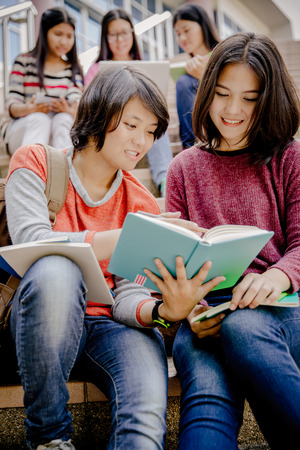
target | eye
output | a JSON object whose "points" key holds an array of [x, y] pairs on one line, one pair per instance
{"points": [[130, 125], [220, 94], [251, 99]]}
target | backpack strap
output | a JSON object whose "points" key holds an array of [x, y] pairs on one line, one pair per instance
{"points": [[57, 180]]}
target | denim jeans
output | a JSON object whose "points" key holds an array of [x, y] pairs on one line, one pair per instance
{"points": [[52, 333], [186, 90], [159, 157], [257, 357]]}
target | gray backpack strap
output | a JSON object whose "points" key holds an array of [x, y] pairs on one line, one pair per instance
{"points": [[57, 180]]}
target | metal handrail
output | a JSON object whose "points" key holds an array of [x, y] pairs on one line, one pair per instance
{"points": [[10, 10], [6, 14]]}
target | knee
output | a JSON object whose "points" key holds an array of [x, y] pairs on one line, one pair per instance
{"points": [[244, 334], [241, 324], [39, 119], [51, 297], [185, 83], [62, 120], [54, 282]]}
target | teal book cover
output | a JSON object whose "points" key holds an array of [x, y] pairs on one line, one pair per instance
{"points": [[230, 258], [140, 242], [145, 238]]}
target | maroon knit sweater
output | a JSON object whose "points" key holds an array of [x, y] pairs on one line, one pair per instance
{"points": [[227, 188]]}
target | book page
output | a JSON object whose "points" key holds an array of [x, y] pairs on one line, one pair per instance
{"points": [[227, 232], [170, 226]]}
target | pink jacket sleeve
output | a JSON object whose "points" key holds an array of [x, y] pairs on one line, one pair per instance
{"points": [[93, 70]]}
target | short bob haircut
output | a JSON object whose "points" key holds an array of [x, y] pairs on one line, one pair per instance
{"points": [[105, 52], [195, 13], [276, 116], [101, 106], [50, 18]]}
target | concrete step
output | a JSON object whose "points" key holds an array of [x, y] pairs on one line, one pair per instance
{"points": [[91, 422]]}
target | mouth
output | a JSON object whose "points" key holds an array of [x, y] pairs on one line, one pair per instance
{"points": [[132, 154], [231, 122]]}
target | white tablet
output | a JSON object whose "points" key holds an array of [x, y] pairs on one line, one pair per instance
{"points": [[44, 98]]}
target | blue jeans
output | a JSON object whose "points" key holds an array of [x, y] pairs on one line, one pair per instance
{"points": [[257, 357], [186, 90], [159, 157], [52, 333]]}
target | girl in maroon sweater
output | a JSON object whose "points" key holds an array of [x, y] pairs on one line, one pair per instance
{"points": [[245, 171]]}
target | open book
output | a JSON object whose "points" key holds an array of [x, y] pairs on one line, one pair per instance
{"points": [[231, 248], [16, 260], [285, 300], [177, 69]]}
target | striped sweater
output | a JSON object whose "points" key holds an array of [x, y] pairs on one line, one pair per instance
{"points": [[24, 82]]}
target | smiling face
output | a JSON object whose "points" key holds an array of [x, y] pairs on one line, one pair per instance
{"points": [[130, 141], [60, 39], [232, 108], [120, 39], [190, 37]]}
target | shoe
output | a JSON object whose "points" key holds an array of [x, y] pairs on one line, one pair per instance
{"points": [[57, 444]]}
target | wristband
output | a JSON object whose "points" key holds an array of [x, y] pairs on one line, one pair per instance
{"points": [[157, 320]]}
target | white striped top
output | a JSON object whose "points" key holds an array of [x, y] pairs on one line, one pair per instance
{"points": [[24, 82]]}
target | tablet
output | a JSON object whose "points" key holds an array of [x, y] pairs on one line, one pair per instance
{"points": [[159, 71], [44, 98]]}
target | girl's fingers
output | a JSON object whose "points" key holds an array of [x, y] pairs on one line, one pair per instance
{"points": [[180, 269], [163, 270], [156, 280]]}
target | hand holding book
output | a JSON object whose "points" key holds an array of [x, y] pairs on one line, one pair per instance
{"points": [[284, 301], [179, 294], [231, 248], [256, 288]]}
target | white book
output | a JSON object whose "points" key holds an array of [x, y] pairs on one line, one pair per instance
{"points": [[16, 259]]}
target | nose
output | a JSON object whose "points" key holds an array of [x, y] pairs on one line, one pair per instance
{"points": [[63, 40], [233, 105], [120, 37], [139, 139], [181, 37]]}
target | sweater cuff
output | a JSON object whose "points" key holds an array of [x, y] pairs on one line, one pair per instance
{"points": [[138, 318]]}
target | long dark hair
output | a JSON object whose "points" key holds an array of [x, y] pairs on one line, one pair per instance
{"points": [[195, 13], [276, 117], [104, 52], [101, 106], [51, 18]]}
